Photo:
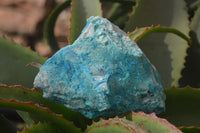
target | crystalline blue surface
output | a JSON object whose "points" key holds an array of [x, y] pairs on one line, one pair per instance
{"points": [[103, 74]]}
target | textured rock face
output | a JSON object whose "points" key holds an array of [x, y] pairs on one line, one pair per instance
{"points": [[103, 74]]}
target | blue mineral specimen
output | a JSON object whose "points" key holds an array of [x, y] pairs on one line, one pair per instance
{"points": [[103, 74]]}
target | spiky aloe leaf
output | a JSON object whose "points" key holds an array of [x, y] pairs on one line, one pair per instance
{"points": [[191, 73], [13, 60], [165, 51], [140, 123], [81, 10], [50, 24], [182, 106], [153, 124], [115, 125], [190, 129], [139, 33], [42, 128], [6, 126], [22, 94], [44, 114]]}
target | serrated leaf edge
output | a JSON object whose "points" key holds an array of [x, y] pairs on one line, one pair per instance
{"points": [[48, 111], [21, 87], [153, 116]]}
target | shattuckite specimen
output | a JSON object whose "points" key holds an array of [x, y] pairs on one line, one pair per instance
{"points": [[102, 74]]}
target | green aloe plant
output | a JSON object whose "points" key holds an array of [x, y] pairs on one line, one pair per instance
{"points": [[162, 30]]}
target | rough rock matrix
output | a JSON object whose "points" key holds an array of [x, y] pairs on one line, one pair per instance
{"points": [[103, 74]]}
